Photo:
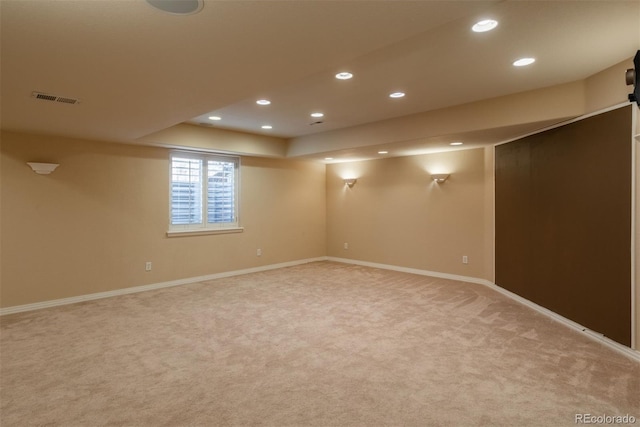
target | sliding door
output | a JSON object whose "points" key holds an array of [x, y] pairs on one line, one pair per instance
{"points": [[563, 221]]}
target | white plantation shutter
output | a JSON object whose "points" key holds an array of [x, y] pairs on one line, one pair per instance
{"points": [[220, 192], [186, 191], [203, 191]]}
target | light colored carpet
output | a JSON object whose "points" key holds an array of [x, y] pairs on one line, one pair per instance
{"points": [[320, 344]]}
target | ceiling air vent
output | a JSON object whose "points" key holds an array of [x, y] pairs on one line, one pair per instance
{"points": [[55, 98]]}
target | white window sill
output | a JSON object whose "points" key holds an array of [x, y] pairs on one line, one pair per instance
{"points": [[204, 232]]}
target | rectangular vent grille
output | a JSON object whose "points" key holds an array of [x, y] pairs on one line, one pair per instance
{"points": [[55, 98]]}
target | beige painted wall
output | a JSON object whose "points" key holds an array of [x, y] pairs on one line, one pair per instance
{"points": [[91, 225], [608, 87], [395, 214]]}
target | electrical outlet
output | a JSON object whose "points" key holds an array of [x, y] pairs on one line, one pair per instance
{"points": [[147, 266], [465, 259], [346, 245], [259, 252]]}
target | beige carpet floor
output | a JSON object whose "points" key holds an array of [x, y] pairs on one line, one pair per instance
{"points": [[319, 344]]}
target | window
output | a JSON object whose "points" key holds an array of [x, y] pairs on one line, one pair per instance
{"points": [[204, 193]]}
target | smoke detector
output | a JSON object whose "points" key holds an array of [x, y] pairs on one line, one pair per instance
{"points": [[178, 7]]}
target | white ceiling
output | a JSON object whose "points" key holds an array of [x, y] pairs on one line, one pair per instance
{"points": [[137, 70]]}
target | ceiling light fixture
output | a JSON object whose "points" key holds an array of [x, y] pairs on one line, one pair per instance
{"points": [[484, 25], [263, 102], [317, 115], [523, 62], [328, 158], [267, 127], [344, 75], [383, 152], [456, 143], [215, 118], [396, 95], [178, 7]]}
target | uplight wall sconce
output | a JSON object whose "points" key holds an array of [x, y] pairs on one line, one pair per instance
{"points": [[43, 168], [440, 177], [350, 182]]}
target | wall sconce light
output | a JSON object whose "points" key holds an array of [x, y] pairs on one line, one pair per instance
{"points": [[43, 168], [350, 182], [440, 177]]}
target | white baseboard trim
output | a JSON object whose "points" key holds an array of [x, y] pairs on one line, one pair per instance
{"points": [[151, 287], [629, 352], [410, 270]]}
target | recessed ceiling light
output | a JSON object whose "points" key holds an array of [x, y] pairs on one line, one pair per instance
{"points": [[263, 102], [524, 61], [456, 143], [344, 75], [484, 25], [396, 95], [178, 7], [267, 127], [215, 118], [317, 115], [328, 158], [383, 152]]}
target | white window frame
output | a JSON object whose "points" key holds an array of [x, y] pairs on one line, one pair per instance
{"points": [[204, 226]]}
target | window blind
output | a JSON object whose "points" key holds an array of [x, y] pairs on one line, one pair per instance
{"points": [[220, 192], [186, 191]]}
